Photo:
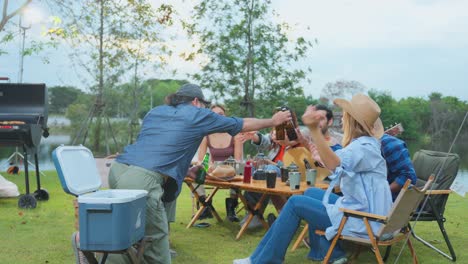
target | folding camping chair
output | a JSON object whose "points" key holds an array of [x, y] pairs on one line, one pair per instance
{"points": [[428, 162], [395, 226]]}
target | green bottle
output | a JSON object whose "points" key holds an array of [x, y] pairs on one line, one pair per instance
{"points": [[201, 174]]}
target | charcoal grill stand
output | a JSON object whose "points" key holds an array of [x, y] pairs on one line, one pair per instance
{"points": [[30, 200], [17, 154]]}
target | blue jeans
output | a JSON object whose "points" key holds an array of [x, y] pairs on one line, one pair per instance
{"points": [[273, 246]]}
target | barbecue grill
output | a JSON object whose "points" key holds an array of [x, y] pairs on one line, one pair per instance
{"points": [[23, 122]]}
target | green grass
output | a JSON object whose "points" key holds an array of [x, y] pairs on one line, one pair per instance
{"points": [[42, 235]]}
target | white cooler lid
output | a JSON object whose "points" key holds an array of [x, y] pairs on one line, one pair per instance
{"points": [[78, 169], [112, 196]]}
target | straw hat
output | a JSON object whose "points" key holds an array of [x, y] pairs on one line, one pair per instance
{"points": [[366, 112]]}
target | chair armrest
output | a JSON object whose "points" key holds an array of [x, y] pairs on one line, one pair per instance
{"points": [[359, 214], [436, 192]]}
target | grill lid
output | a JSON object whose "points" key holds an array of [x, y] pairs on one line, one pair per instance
{"points": [[24, 102]]}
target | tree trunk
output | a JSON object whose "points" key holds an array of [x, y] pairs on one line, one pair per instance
{"points": [[249, 85], [99, 98], [135, 100]]}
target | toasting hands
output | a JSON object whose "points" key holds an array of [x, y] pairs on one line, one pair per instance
{"points": [[280, 117], [311, 117]]}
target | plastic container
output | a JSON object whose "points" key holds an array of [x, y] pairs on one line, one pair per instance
{"points": [[110, 220]]}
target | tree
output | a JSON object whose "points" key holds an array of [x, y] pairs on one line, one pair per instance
{"points": [[158, 90], [140, 54], [120, 103], [417, 108], [61, 97], [342, 89], [393, 112], [249, 56], [108, 39]]}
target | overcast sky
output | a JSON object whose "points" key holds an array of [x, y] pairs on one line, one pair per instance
{"points": [[406, 47]]}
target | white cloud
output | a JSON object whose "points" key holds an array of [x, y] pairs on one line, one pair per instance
{"points": [[370, 23]]}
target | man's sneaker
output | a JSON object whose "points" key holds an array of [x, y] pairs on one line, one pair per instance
{"points": [[79, 256], [253, 224]]}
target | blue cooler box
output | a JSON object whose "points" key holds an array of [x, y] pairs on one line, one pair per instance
{"points": [[110, 220]]}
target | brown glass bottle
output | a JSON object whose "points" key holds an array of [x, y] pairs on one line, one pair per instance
{"points": [[291, 125]]}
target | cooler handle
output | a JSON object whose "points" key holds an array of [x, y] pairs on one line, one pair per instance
{"points": [[99, 207]]}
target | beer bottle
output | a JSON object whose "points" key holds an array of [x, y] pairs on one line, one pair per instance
{"points": [[290, 126], [201, 173]]}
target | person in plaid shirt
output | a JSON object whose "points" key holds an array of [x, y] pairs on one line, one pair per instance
{"points": [[399, 165]]}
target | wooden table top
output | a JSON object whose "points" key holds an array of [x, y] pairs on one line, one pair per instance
{"points": [[280, 188], [260, 186]]}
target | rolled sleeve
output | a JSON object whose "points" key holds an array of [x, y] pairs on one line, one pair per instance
{"points": [[214, 123]]}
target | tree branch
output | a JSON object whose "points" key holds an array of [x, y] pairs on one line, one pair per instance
{"points": [[6, 17]]}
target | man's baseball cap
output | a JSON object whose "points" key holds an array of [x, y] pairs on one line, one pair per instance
{"points": [[192, 90]]}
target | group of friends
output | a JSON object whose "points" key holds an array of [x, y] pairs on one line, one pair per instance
{"points": [[369, 167]]}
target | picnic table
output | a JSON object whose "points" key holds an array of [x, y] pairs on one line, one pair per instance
{"points": [[258, 186]]}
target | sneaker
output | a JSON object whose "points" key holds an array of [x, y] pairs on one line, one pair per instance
{"points": [[242, 261], [271, 219], [79, 256], [173, 253], [342, 260], [253, 224]]}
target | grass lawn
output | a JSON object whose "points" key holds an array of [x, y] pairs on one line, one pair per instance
{"points": [[42, 235]]}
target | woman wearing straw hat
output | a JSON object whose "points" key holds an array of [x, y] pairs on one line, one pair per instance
{"points": [[358, 169]]}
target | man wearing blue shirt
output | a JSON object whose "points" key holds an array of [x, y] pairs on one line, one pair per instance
{"points": [[399, 165], [159, 160]]}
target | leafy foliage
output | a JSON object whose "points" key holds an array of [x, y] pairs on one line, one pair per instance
{"points": [[61, 97], [430, 121], [249, 56], [117, 108], [110, 38]]}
